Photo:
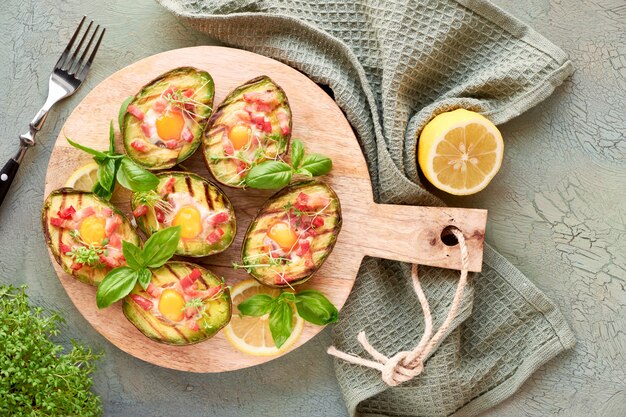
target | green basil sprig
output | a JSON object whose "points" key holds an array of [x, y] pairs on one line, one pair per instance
{"points": [[270, 175], [119, 282], [113, 166], [311, 305]]}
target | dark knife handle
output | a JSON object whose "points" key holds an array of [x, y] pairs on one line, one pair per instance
{"points": [[7, 174]]}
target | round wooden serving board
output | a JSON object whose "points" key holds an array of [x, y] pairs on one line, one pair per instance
{"points": [[404, 233]]}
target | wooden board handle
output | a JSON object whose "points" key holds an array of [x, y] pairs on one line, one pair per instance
{"points": [[413, 234]]}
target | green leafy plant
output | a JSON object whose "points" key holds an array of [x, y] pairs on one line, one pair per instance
{"points": [[119, 282], [39, 377], [270, 175], [117, 168], [311, 305]]}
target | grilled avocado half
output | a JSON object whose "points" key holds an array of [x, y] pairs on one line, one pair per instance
{"points": [[164, 122], [203, 211], [85, 233], [253, 124], [292, 234], [183, 304]]}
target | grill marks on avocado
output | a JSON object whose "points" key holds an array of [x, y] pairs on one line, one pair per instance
{"points": [[283, 268]]}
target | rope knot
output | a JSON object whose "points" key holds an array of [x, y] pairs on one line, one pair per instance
{"points": [[406, 365]]}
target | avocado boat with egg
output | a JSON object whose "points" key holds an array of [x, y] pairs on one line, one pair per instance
{"points": [[85, 234], [203, 211], [252, 125], [183, 304], [164, 122], [293, 234]]}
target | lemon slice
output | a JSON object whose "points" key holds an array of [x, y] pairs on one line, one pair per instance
{"points": [[460, 152], [252, 335], [84, 178]]}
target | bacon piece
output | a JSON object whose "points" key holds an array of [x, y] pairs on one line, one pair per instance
{"points": [[168, 187], [153, 290], [106, 212], [160, 216], [187, 282], [142, 302], [110, 261], [63, 248], [267, 125], [187, 135], [135, 111], [219, 218], [169, 91], [215, 236], [241, 166], [145, 128], [302, 202], [262, 97], [190, 312], [111, 225], [139, 145], [76, 266], [67, 213], [115, 241], [283, 121], [60, 223], [171, 144], [159, 105], [318, 222], [242, 115], [84, 213], [193, 325], [141, 210], [304, 246]]}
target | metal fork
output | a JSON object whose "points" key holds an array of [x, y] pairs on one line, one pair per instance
{"points": [[68, 74]]}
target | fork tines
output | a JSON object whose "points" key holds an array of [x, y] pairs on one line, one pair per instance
{"points": [[77, 66]]}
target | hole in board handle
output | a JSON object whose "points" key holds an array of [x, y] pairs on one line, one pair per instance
{"points": [[447, 237]]}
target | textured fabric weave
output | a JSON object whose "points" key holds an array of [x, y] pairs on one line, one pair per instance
{"points": [[392, 66]]}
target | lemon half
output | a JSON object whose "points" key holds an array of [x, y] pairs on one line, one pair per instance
{"points": [[84, 178], [252, 335], [460, 152]]}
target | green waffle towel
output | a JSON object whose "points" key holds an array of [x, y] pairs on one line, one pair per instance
{"points": [[392, 65]]}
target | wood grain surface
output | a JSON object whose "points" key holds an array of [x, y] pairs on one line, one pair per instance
{"points": [[410, 234], [555, 210]]}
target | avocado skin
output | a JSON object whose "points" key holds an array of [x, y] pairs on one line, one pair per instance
{"points": [[54, 249], [196, 250], [294, 189], [128, 129], [163, 332], [257, 83]]}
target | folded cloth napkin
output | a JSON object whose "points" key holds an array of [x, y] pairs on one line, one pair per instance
{"points": [[392, 65]]}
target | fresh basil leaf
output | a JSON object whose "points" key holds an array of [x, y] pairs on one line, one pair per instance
{"points": [[133, 255], [123, 109], [101, 192], [303, 171], [315, 308], [106, 174], [117, 284], [160, 247], [281, 323], [135, 178], [287, 296], [297, 152], [317, 164], [84, 148], [256, 305], [144, 276], [269, 175], [111, 138]]}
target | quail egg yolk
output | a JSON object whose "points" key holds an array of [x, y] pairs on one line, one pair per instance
{"points": [[170, 125], [171, 305], [283, 235], [92, 230], [239, 135], [190, 221]]}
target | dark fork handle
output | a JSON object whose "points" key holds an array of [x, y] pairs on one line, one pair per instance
{"points": [[9, 170]]}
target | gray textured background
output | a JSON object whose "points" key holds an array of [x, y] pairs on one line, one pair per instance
{"points": [[557, 211]]}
